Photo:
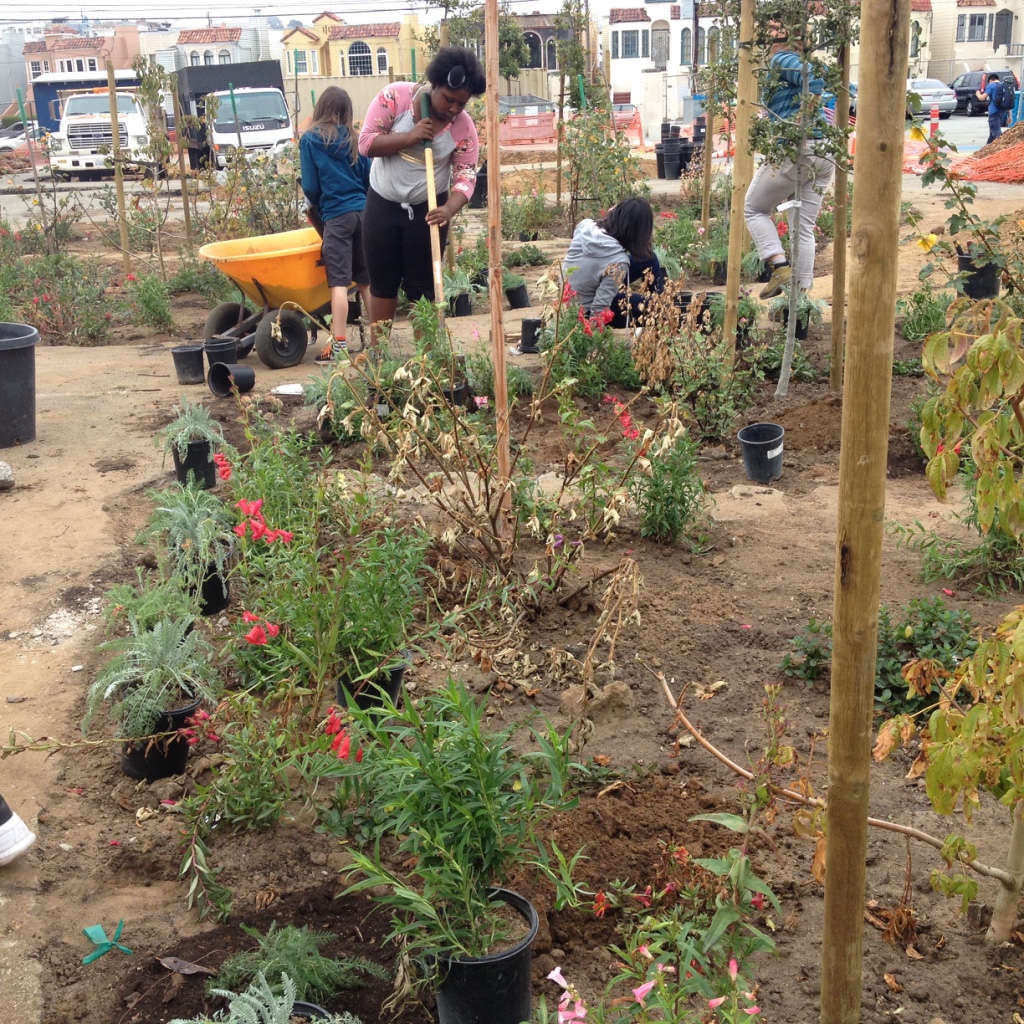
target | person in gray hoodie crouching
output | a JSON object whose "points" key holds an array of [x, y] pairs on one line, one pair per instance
{"points": [[608, 254]]}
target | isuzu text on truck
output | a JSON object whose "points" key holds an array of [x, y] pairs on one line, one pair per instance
{"points": [[83, 144]]}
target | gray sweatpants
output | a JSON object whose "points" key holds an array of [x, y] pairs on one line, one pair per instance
{"points": [[772, 185]]}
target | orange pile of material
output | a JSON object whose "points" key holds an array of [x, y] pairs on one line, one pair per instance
{"points": [[1002, 160]]}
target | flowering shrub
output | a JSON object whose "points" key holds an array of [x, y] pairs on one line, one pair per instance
{"points": [[522, 212]]}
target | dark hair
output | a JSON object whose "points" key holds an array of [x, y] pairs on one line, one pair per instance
{"points": [[457, 68], [631, 224], [334, 111], [994, 77]]}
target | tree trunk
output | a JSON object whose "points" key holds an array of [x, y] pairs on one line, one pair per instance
{"points": [[1005, 913]]}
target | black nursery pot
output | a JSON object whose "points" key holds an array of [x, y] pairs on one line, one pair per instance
{"points": [[188, 364], [979, 282], [518, 297], [530, 335], [225, 351], [492, 989], [214, 592], [370, 693], [162, 758], [227, 377], [803, 325], [460, 305], [198, 463], [309, 1011]]}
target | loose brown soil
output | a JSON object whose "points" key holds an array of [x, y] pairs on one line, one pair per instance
{"points": [[724, 616]]}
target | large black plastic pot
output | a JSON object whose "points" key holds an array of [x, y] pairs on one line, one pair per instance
{"points": [[221, 351], [530, 334], [460, 305], [214, 592], [309, 1011], [225, 378], [198, 463], [492, 989], [518, 297], [188, 363], [761, 445], [659, 159], [161, 758], [979, 282], [17, 384]]}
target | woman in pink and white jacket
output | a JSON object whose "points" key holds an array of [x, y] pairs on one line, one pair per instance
{"points": [[396, 232]]}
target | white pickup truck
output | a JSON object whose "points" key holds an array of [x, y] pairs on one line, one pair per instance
{"points": [[263, 124], [82, 145]]}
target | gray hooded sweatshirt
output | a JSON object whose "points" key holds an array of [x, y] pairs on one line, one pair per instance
{"points": [[595, 266]]}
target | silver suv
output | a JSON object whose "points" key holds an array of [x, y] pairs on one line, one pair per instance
{"points": [[967, 84]]}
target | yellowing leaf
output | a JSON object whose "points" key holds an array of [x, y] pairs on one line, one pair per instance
{"points": [[891, 981], [818, 863], [913, 953]]}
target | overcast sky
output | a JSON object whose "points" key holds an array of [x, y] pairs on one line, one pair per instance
{"points": [[196, 11]]}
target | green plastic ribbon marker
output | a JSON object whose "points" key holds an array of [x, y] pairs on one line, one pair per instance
{"points": [[98, 936]]}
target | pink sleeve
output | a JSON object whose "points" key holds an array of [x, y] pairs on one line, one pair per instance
{"points": [[383, 111], [465, 156]]}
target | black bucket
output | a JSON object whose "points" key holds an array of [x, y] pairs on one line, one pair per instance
{"points": [[518, 297], [197, 464], [761, 445], [188, 364], [221, 351], [979, 282], [659, 159], [460, 305], [227, 377], [493, 989], [530, 335], [17, 384], [163, 758], [673, 166], [214, 592]]}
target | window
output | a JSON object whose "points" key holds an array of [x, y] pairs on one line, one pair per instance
{"points": [[961, 27], [360, 60], [382, 61], [79, 64], [615, 46], [631, 43], [915, 38], [225, 57], [36, 68], [92, 64], [301, 67], [314, 62], [341, 60], [208, 58], [702, 57], [288, 60], [645, 43], [976, 28], [685, 42], [552, 56], [712, 45], [193, 58], [46, 66]]}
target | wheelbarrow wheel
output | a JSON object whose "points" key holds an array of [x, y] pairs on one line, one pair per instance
{"points": [[222, 318], [289, 350]]}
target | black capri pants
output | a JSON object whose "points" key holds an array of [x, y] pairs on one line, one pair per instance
{"points": [[397, 248]]}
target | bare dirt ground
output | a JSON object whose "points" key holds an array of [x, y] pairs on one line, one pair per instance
{"points": [[726, 615]]}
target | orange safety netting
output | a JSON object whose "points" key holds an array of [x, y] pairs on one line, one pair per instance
{"points": [[522, 130]]}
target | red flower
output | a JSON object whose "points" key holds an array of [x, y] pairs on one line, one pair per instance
{"points": [[259, 528], [250, 617], [668, 215], [342, 745], [568, 294], [757, 901], [256, 635], [130, 277], [782, 227], [242, 529], [250, 508], [359, 755], [272, 630], [645, 899], [600, 904]]}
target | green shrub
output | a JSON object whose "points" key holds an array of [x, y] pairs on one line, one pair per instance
{"points": [[587, 355], [922, 313], [149, 302], [670, 498]]}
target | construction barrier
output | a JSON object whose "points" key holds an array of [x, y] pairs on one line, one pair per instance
{"points": [[628, 122], [525, 130]]}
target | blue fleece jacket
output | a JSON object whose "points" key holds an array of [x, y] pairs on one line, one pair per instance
{"points": [[786, 82], [331, 182]]}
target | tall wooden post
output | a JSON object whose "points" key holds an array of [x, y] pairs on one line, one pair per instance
{"points": [[835, 375], [115, 134], [884, 42], [495, 291], [742, 169], [444, 34]]}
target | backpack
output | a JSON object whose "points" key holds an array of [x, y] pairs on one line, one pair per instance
{"points": [[1005, 99]]}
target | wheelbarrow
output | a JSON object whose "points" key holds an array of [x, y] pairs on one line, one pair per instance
{"points": [[270, 271]]}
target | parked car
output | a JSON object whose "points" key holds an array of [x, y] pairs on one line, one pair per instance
{"points": [[925, 93], [967, 85], [18, 128], [14, 143]]}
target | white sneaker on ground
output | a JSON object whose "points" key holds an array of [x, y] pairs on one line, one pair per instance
{"points": [[15, 839]]}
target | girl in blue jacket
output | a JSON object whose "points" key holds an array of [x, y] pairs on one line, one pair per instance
{"points": [[335, 179]]}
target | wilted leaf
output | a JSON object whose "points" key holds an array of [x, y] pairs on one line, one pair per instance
{"points": [[919, 767], [892, 983], [602, 759], [173, 963], [818, 863], [913, 953]]}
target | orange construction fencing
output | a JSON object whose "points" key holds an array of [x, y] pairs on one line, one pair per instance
{"points": [[524, 130]]}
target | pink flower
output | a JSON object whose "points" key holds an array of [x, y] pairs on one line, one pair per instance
{"points": [[715, 1003], [641, 992], [757, 901], [256, 635], [130, 277], [750, 1011], [242, 529], [734, 969], [272, 630], [250, 617], [556, 977], [645, 951]]}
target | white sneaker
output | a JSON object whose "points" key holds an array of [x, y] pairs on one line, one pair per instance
{"points": [[15, 839]]}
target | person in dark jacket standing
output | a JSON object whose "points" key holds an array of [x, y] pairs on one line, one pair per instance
{"points": [[335, 179], [992, 91]]}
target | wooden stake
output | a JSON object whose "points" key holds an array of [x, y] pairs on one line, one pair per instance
{"points": [[50, 239], [182, 169], [742, 171], [884, 34], [435, 231], [122, 214], [835, 376], [705, 199], [495, 291]]}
